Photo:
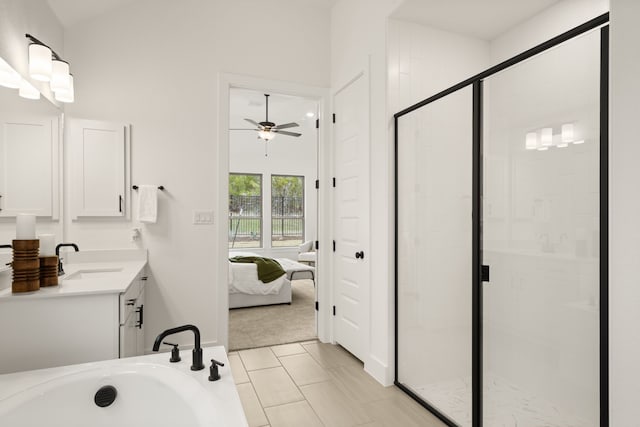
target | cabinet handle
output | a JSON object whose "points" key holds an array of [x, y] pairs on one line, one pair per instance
{"points": [[0, 198], [144, 278], [131, 301], [140, 311], [120, 203]]}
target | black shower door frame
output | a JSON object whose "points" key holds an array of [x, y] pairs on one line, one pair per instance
{"points": [[476, 82]]}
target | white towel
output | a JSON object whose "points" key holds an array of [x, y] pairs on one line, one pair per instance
{"points": [[148, 203]]}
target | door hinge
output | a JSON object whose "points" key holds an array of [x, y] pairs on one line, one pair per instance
{"points": [[334, 246], [317, 245], [334, 117], [334, 310], [317, 123], [317, 184], [316, 305], [334, 182], [485, 273]]}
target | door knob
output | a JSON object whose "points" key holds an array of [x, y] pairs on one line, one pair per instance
{"points": [[360, 255]]}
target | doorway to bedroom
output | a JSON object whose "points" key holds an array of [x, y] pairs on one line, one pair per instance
{"points": [[273, 218]]}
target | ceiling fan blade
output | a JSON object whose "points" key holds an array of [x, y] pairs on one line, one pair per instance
{"points": [[286, 126], [253, 122], [284, 132]]}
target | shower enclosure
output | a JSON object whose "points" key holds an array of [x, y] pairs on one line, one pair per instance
{"points": [[501, 241]]}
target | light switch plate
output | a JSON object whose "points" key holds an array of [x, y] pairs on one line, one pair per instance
{"points": [[202, 217]]}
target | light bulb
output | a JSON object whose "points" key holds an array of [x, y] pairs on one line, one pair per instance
{"points": [[27, 90], [531, 141], [40, 64], [60, 78]]}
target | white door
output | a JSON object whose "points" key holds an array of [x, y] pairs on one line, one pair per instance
{"points": [[351, 222], [28, 150], [98, 165]]}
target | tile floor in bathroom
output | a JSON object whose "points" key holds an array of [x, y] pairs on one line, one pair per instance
{"points": [[315, 384]]}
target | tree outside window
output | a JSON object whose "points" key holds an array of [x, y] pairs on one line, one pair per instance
{"points": [[245, 210], [287, 210]]}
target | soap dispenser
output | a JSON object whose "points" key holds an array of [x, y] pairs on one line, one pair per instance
{"points": [[175, 352], [213, 370]]}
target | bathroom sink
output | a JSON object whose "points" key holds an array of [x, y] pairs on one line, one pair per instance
{"points": [[98, 273]]}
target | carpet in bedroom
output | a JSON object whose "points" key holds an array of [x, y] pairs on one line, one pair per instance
{"points": [[275, 324]]}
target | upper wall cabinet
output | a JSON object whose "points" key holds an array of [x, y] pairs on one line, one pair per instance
{"points": [[29, 164], [99, 168]]}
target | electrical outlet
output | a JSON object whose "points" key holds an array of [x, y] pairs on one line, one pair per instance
{"points": [[202, 217]]}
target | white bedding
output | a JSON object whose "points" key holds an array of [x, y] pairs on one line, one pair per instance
{"points": [[243, 278]]}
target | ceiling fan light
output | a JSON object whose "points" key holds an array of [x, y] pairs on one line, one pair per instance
{"points": [[40, 64], [60, 78], [267, 135]]}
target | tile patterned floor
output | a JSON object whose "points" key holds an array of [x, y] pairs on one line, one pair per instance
{"points": [[314, 384]]}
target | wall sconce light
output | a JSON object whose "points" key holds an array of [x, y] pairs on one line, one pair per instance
{"points": [[46, 65], [566, 136]]}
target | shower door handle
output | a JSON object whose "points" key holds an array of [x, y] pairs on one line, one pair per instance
{"points": [[484, 276]]}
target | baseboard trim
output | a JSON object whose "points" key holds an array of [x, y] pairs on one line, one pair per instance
{"points": [[380, 371]]}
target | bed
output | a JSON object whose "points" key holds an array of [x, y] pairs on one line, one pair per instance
{"points": [[246, 290]]}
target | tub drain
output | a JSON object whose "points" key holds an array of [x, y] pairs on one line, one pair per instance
{"points": [[105, 396]]}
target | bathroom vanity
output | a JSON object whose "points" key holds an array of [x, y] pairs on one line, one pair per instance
{"points": [[95, 313]]}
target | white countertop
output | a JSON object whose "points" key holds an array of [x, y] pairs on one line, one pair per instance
{"points": [[128, 262]]}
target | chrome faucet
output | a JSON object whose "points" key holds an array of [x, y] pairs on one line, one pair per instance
{"points": [[196, 363], [73, 245]]}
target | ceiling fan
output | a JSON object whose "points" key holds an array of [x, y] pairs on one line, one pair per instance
{"points": [[268, 130]]}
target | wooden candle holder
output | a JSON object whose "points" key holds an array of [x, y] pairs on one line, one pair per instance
{"points": [[26, 266], [48, 271]]}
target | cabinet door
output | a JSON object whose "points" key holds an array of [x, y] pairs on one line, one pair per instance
{"points": [[28, 165], [99, 165]]}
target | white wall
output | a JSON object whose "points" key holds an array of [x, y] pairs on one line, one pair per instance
{"points": [[154, 64], [624, 211]]}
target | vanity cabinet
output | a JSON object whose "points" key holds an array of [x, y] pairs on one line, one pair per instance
{"points": [[29, 147], [56, 327], [99, 168]]}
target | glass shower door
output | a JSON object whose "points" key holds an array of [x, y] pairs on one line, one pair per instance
{"points": [[540, 237], [435, 255]]}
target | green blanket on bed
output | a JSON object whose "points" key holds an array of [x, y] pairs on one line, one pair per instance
{"points": [[268, 269]]}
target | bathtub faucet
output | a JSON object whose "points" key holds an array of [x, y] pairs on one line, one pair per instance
{"points": [[196, 364]]}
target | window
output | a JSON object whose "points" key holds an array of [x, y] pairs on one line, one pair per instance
{"points": [[287, 210], [245, 211]]}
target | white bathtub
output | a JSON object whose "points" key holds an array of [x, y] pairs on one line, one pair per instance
{"points": [[150, 392]]}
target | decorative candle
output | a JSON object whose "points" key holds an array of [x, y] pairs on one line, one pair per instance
{"points": [[47, 244], [25, 227]]}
